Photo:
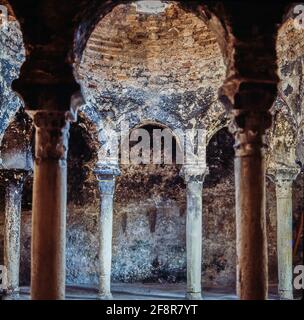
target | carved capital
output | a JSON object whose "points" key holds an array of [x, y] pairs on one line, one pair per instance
{"points": [[194, 173], [52, 135], [283, 174], [106, 175], [251, 117], [283, 178], [249, 138]]}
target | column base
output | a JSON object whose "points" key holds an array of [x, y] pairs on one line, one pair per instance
{"points": [[285, 295], [194, 296], [105, 296]]}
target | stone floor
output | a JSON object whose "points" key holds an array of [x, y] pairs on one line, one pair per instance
{"points": [[149, 291]]}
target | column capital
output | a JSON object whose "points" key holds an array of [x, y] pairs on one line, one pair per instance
{"points": [[248, 141], [52, 134], [194, 173], [283, 174], [106, 174], [251, 117], [283, 178]]}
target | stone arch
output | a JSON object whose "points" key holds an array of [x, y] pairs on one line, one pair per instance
{"points": [[217, 118], [131, 108], [147, 203], [171, 108]]}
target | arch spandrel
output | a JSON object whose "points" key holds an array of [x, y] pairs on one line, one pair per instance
{"points": [[290, 51], [282, 142]]}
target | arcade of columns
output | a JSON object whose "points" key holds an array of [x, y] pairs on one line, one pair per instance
{"points": [[249, 93]]}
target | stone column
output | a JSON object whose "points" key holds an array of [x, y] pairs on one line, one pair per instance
{"points": [[194, 178], [283, 179], [252, 261], [14, 180], [106, 179], [251, 119], [49, 205]]}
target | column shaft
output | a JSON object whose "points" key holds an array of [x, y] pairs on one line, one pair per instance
{"points": [[13, 198], [49, 206], [284, 240], [194, 239], [105, 245], [252, 261]]}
